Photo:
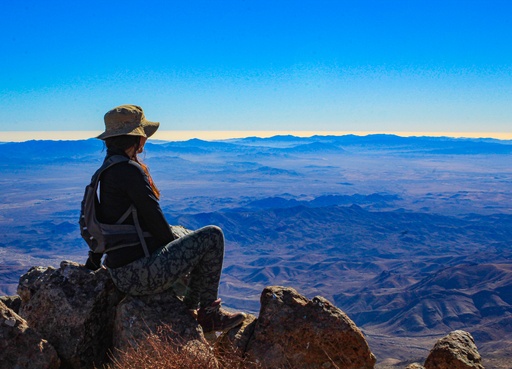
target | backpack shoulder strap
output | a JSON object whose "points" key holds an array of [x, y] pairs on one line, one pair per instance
{"points": [[110, 161]]}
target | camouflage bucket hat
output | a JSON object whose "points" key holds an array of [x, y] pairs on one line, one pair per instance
{"points": [[127, 120]]}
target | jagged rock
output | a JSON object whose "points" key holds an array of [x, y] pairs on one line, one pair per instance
{"points": [[32, 280], [237, 339], [457, 350], [73, 308], [12, 302], [179, 231], [293, 331], [138, 316], [23, 347], [414, 366]]}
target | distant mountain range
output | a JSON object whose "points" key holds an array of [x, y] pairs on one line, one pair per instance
{"points": [[32, 150], [410, 236]]}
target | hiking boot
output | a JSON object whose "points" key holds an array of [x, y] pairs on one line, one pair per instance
{"points": [[215, 319]]}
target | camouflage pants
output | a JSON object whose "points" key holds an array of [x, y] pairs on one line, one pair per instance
{"points": [[201, 253]]}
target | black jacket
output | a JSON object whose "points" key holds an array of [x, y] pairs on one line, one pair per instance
{"points": [[121, 185]]}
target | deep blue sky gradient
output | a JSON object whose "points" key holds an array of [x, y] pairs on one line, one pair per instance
{"points": [[259, 65]]}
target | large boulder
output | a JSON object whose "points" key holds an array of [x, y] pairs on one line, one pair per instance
{"points": [[165, 318], [73, 308], [457, 350], [138, 316], [293, 331], [23, 347]]}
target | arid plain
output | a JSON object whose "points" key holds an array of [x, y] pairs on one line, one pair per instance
{"points": [[410, 236]]}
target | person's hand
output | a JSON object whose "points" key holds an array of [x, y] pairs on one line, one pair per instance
{"points": [[93, 261], [89, 264]]}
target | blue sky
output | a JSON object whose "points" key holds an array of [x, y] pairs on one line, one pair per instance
{"points": [[385, 66]]}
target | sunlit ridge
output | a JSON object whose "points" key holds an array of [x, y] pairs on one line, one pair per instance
{"points": [[19, 136]]}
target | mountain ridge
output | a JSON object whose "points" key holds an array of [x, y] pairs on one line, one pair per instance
{"points": [[371, 227]]}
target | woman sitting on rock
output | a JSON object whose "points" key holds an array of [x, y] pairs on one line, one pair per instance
{"points": [[160, 260]]}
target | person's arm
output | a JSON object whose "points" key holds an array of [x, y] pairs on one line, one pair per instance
{"points": [[148, 208]]}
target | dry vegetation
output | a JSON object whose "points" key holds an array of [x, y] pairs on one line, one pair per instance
{"points": [[159, 351]]}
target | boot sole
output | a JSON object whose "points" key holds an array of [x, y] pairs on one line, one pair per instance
{"points": [[234, 324]]}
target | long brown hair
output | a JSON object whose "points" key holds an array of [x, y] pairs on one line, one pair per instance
{"points": [[125, 142]]}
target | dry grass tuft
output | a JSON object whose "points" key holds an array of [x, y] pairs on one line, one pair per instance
{"points": [[159, 351]]}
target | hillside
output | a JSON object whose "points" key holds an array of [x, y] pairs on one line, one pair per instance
{"points": [[409, 236]]}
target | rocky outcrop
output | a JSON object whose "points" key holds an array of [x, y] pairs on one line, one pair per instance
{"points": [[294, 331], [83, 315], [31, 281], [136, 317], [457, 350], [23, 347], [80, 316], [73, 308]]}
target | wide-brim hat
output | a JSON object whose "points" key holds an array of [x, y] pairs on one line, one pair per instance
{"points": [[127, 120]]}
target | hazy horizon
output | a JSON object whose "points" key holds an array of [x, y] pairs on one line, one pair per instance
{"points": [[183, 135]]}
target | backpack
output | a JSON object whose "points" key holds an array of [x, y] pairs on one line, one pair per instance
{"points": [[102, 237]]}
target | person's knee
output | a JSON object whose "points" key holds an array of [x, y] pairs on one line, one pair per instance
{"points": [[217, 231], [217, 236], [213, 230]]}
